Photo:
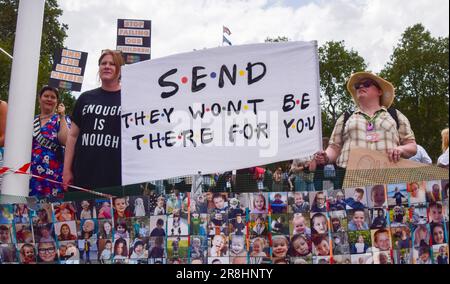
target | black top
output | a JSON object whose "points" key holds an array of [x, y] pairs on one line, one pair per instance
{"points": [[97, 159]]}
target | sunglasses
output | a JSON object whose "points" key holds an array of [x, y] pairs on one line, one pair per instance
{"points": [[365, 84]]}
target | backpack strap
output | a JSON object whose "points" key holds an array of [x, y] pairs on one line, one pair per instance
{"points": [[347, 115], [393, 112]]}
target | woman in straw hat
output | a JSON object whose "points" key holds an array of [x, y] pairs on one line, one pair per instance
{"points": [[371, 126]]}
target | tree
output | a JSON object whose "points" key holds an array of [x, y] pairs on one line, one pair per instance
{"points": [[419, 69], [336, 65], [53, 35]]}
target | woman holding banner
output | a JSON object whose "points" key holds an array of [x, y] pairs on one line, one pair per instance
{"points": [[50, 131], [93, 151]]}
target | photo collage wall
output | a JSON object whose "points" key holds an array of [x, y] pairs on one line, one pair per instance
{"points": [[403, 223]]}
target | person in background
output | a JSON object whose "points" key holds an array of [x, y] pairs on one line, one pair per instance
{"points": [[51, 128], [443, 159], [371, 126], [97, 165], [421, 156]]}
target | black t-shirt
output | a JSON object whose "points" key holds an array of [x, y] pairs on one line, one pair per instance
{"points": [[97, 159]]}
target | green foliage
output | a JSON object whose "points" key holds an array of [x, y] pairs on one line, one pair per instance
{"points": [[53, 35], [353, 237], [419, 70], [336, 65], [277, 39]]}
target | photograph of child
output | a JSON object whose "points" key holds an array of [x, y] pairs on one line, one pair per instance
{"points": [[6, 214], [156, 247], [44, 233], [321, 245], [300, 246], [381, 240], [438, 234], [157, 226], [360, 241], [139, 252], [121, 208], [159, 206], [433, 191], [321, 260], [218, 246], [339, 221], [177, 226], [340, 243], [382, 257], [87, 228], [403, 256], [280, 247], [21, 213], [218, 260], [300, 224], [418, 214], [64, 211], [238, 225], [377, 196], [318, 201], [397, 194], [104, 209], [43, 214], [437, 213], [139, 205], [444, 187], [301, 260], [258, 225], [319, 223], [120, 251], [416, 192], [140, 227], [199, 247], [355, 198], [280, 224], [105, 251], [399, 216], [238, 204], [298, 202], [238, 246], [47, 252], [66, 231], [358, 220], [177, 247], [220, 201], [105, 229], [258, 203], [342, 259], [218, 224], [259, 247], [86, 209], [5, 234], [422, 255], [278, 202], [27, 253], [401, 238], [378, 217], [440, 254], [336, 200], [23, 233]]}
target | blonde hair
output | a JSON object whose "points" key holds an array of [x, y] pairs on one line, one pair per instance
{"points": [[444, 135]]}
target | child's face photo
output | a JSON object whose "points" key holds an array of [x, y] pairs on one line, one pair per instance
{"points": [[358, 219], [323, 248], [378, 196], [280, 247], [4, 234], [301, 246], [120, 205], [320, 198], [28, 254], [237, 245], [219, 203], [319, 224], [357, 196], [218, 242], [299, 224], [436, 214], [438, 235], [298, 199], [47, 251], [382, 241], [260, 203]]}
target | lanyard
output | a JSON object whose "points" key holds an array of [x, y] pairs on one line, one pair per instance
{"points": [[371, 120]]}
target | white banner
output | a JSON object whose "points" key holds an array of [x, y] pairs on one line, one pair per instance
{"points": [[219, 109]]}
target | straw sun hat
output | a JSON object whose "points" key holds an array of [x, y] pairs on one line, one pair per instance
{"points": [[387, 88]]}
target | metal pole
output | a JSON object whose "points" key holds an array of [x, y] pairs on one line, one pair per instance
{"points": [[22, 94], [9, 55]]}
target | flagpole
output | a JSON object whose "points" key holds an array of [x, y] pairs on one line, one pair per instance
{"points": [[22, 95]]}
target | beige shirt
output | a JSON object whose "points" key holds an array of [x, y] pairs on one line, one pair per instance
{"points": [[355, 133]]}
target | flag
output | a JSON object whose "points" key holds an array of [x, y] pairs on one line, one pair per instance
{"points": [[226, 30], [226, 40]]}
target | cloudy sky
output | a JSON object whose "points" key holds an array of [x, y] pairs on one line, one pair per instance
{"points": [[371, 27]]}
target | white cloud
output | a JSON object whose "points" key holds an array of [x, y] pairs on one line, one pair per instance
{"points": [[371, 27]]}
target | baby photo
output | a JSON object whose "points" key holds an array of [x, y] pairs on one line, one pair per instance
{"points": [[278, 202], [299, 223], [397, 194], [139, 206], [377, 196]]}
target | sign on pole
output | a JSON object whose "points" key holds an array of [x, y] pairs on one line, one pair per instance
{"points": [[68, 69], [134, 39]]}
